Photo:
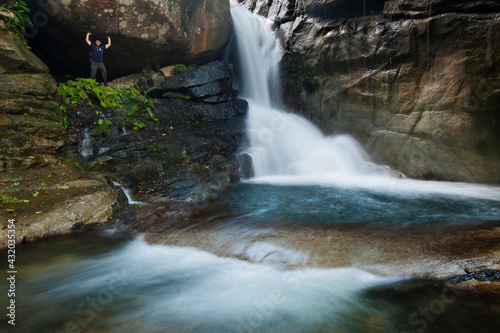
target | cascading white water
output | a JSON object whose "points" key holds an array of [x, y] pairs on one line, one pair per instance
{"points": [[86, 146], [128, 195], [287, 149], [282, 143], [260, 53]]}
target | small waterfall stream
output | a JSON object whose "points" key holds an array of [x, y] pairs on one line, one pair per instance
{"points": [[85, 147], [128, 195]]}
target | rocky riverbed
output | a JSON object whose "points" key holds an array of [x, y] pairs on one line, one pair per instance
{"points": [[49, 201]]}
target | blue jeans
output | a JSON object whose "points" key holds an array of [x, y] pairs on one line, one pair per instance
{"points": [[94, 66]]}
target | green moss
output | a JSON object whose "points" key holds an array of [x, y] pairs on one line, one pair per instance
{"points": [[178, 68], [196, 168], [13, 137]]}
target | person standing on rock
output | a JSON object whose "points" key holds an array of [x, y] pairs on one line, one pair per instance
{"points": [[96, 59]]}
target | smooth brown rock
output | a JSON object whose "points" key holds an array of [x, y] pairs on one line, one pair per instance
{"points": [[437, 252], [59, 196]]}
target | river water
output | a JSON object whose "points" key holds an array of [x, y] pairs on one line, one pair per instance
{"points": [[116, 282], [319, 239]]}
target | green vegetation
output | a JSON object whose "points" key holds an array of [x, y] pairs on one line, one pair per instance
{"points": [[103, 126], [196, 168], [155, 147], [185, 156], [89, 93], [8, 199], [181, 68], [147, 73], [17, 17]]}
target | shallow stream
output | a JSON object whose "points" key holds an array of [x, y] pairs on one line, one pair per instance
{"points": [[114, 281]]}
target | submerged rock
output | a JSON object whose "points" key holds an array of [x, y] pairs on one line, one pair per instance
{"points": [[450, 253]]}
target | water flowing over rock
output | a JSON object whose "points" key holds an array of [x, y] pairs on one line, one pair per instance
{"points": [[31, 131], [415, 81], [146, 33]]}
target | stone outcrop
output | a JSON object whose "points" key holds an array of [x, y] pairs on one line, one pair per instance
{"points": [[189, 154], [31, 131], [52, 200], [146, 33], [417, 82], [211, 83], [44, 197]]}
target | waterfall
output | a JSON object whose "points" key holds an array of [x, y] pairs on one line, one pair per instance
{"points": [[281, 143], [85, 146], [127, 193], [287, 149]]}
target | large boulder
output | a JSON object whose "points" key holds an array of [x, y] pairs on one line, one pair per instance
{"points": [[32, 134], [145, 33], [189, 154], [421, 93], [211, 83], [54, 200]]}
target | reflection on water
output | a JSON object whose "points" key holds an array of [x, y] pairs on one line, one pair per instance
{"points": [[117, 284]]}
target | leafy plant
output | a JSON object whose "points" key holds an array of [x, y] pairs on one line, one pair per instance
{"points": [[133, 123], [180, 68], [18, 19], [65, 122], [103, 126], [185, 156], [89, 93], [147, 73], [196, 168]]}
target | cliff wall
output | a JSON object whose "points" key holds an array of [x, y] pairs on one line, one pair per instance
{"points": [[416, 82]]}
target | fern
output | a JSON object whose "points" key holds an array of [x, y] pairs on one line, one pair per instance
{"points": [[88, 92], [19, 18]]}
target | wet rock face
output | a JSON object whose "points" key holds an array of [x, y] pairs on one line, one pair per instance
{"points": [[416, 7], [421, 93], [210, 83], [146, 33], [189, 154], [58, 199], [31, 131]]}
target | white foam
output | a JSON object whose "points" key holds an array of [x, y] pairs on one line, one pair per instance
{"points": [[162, 288], [387, 184], [287, 149], [128, 195]]}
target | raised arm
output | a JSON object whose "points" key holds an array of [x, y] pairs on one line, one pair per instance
{"points": [[87, 39], [109, 43]]}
